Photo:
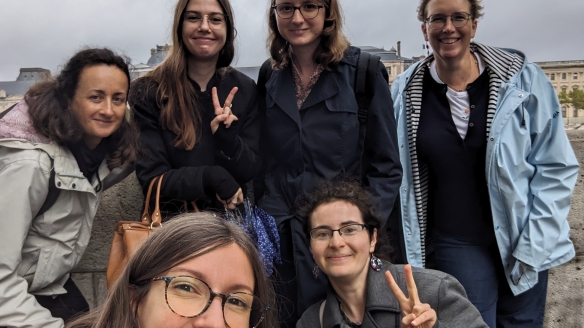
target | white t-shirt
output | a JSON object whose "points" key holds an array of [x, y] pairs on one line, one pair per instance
{"points": [[459, 101]]}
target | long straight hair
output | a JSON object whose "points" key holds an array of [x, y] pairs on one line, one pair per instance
{"points": [[332, 45], [181, 239], [175, 94]]}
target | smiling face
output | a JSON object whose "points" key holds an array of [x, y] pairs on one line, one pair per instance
{"points": [[450, 43], [300, 32], [341, 257], [225, 270], [99, 102], [202, 34]]}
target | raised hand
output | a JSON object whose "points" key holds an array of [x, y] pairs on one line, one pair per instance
{"points": [[233, 201], [416, 314], [223, 113]]}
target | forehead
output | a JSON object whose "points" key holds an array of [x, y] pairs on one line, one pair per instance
{"points": [[447, 6], [204, 6], [335, 213], [211, 268], [103, 77]]}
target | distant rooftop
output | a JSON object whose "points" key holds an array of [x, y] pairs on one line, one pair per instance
{"points": [[33, 74], [157, 55]]}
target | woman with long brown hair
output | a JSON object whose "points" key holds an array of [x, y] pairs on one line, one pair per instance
{"points": [[67, 141], [198, 270], [313, 132], [198, 116]]}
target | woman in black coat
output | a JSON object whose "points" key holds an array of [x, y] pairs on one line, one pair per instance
{"points": [[198, 116], [313, 133]]}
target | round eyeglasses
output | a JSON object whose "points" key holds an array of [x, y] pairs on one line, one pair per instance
{"points": [[190, 297], [214, 20], [326, 234], [438, 21], [307, 10]]}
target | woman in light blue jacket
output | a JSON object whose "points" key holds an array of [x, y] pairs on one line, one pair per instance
{"points": [[488, 169]]}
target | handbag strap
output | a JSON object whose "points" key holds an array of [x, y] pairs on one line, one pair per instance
{"points": [[146, 218], [156, 216]]}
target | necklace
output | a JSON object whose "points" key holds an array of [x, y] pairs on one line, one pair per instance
{"points": [[461, 90]]}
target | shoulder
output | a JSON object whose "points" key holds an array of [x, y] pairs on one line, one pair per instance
{"points": [[29, 156], [232, 75], [143, 89], [310, 317], [351, 56]]}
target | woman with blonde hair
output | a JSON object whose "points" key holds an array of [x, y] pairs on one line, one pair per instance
{"points": [[197, 116], [488, 169], [198, 270], [313, 131]]}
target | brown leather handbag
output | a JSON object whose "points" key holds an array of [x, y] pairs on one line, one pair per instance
{"points": [[130, 235]]}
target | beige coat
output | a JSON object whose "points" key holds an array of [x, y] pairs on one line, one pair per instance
{"points": [[38, 252]]}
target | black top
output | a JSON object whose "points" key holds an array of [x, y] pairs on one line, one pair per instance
{"points": [[458, 204], [185, 169]]}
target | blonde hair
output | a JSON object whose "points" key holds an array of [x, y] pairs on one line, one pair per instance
{"points": [[332, 45]]}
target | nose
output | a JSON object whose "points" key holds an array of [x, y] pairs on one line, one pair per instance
{"points": [[108, 108], [448, 25], [212, 317], [297, 17], [205, 23], [337, 240]]}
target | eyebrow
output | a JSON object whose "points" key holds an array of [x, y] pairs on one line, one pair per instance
{"points": [[199, 13], [202, 276], [344, 223]]}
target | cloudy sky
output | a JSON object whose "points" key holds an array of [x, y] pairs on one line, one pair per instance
{"points": [[43, 33]]}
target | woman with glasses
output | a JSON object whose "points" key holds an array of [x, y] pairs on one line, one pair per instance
{"points": [[364, 291], [489, 171], [312, 132], [198, 270], [198, 117]]}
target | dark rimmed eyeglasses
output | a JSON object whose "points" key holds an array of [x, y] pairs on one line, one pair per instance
{"points": [[307, 10], [326, 234], [190, 297], [458, 19]]}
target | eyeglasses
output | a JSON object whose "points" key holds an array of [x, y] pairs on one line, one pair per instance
{"points": [[438, 21], [190, 297], [215, 20], [326, 234], [307, 10]]}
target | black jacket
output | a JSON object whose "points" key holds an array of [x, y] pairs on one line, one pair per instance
{"points": [[184, 169], [301, 149]]}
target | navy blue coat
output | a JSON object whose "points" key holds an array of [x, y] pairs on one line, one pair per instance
{"points": [[301, 149]]}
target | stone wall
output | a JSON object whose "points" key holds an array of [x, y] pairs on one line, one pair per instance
{"points": [[565, 302]]}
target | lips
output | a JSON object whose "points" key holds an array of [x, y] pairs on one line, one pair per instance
{"points": [[449, 41], [299, 32], [338, 257]]}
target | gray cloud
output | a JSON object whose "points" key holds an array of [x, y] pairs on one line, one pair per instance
{"points": [[41, 33]]}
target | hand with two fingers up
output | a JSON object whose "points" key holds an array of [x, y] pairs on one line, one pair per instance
{"points": [[224, 125], [415, 313]]}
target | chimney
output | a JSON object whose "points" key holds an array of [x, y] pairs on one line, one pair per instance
{"points": [[399, 49], [152, 52]]}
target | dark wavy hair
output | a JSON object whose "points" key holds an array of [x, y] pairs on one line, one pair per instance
{"points": [[175, 95], [181, 239], [48, 105], [476, 9], [332, 45], [347, 190]]}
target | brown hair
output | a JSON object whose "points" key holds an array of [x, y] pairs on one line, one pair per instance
{"points": [[48, 106], [175, 94], [332, 45], [476, 9], [346, 190], [181, 239]]}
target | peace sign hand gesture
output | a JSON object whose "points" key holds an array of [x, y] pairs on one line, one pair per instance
{"points": [[416, 314], [223, 113]]}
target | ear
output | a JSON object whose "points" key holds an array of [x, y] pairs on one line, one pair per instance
{"points": [[425, 31], [474, 25], [373, 241]]}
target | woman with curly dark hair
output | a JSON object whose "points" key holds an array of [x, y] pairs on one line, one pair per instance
{"points": [[67, 141]]}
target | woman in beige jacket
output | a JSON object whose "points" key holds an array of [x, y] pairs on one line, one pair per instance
{"points": [[60, 148]]}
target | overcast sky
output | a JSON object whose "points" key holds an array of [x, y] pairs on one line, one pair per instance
{"points": [[43, 33]]}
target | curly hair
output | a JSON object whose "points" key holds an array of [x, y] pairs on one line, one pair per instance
{"points": [[175, 95], [48, 106], [347, 190], [332, 45], [476, 9]]}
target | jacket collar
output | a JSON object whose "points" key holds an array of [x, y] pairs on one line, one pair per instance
{"points": [[380, 306]]}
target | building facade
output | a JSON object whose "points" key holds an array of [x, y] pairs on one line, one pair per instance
{"points": [[566, 76]]}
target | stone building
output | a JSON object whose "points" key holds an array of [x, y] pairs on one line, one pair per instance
{"points": [[394, 63], [12, 91], [566, 76]]}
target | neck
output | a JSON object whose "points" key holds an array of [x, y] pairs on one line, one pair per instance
{"points": [[457, 74], [303, 58], [353, 295], [201, 71]]}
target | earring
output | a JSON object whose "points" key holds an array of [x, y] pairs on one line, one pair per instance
{"points": [[315, 271], [376, 263], [427, 49]]}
